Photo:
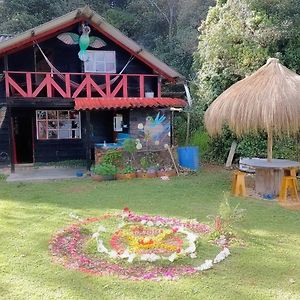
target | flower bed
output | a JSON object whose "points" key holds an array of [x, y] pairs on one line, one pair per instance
{"points": [[137, 247]]}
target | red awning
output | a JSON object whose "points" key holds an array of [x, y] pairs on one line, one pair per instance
{"points": [[112, 103]]}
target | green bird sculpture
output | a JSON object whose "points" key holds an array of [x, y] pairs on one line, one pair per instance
{"points": [[84, 41]]}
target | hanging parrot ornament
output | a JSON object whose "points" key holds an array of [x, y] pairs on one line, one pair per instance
{"points": [[84, 40]]}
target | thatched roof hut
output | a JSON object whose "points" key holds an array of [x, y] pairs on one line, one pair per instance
{"points": [[267, 100]]}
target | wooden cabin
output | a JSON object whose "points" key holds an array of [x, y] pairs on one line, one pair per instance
{"points": [[55, 105]]}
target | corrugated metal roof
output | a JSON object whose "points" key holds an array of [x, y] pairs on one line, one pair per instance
{"points": [[39, 32], [112, 103]]}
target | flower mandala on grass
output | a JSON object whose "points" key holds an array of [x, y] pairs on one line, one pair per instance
{"points": [[137, 247]]}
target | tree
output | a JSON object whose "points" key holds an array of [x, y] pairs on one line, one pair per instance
{"points": [[236, 39], [166, 27], [19, 15]]}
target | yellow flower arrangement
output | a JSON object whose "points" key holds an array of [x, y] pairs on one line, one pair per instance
{"points": [[142, 238]]}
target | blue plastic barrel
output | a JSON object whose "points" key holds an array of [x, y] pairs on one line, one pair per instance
{"points": [[188, 157]]}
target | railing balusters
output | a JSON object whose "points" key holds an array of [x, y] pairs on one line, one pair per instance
{"points": [[108, 87], [72, 89], [88, 86], [29, 84], [49, 85], [68, 85]]}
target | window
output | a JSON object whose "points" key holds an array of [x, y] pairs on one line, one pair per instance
{"points": [[100, 62], [58, 124]]}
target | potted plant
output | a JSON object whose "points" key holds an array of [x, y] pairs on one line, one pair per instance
{"points": [[148, 168], [129, 146], [104, 171], [127, 173]]}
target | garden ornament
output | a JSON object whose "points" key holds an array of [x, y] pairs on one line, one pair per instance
{"points": [[155, 128], [84, 41]]}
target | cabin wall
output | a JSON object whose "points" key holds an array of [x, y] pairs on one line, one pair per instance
{"points": [[60, 150], [101, 126], [68, 149], [4, 134], [52, 150], [65, 58], [151, 127]]}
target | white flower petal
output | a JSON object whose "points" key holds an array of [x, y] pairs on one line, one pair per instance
{"points": [[205, 266], [101, 228], [95, 235], [172, 257]]}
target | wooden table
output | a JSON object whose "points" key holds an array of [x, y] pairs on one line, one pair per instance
{"points": [[268, 175]]}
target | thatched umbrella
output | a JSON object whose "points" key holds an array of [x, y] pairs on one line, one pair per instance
{"points": [[268, 100]]}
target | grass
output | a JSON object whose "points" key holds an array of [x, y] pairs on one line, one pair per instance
{"points": [[266, 267]]}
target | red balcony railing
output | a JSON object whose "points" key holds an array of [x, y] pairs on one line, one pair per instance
{"points": [[73, 85]]}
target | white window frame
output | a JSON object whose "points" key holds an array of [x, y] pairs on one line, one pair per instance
{"points": [[90, 65], [59, 130]]}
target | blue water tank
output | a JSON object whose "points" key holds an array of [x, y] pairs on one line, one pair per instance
{"points": [[188, 157]]}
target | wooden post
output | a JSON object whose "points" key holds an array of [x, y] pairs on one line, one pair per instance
{"points": [[159, 86], [88, 139], [6, 76], [11, 140], [10, 126], [188, 122], [172, 128], [173, 160], [142, 86], [231, 154], [270, 144]]}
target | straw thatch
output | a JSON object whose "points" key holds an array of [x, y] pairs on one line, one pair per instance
{"points": [[267, 100]]}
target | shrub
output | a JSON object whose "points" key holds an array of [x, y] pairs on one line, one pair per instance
{"points": [[105, 169], [200, 139], [112, 157], [130, 146], [127, 170]]}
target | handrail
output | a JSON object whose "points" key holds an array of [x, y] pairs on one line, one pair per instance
{"points": [[63, 85]]}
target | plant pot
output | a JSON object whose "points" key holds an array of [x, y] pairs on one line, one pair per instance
{"points": [[126, 176], [96, 177], [103, 178], [146, 175], [109, 177], [168, 173]]}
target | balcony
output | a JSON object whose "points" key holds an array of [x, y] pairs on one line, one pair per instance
{"points": [[79, 85]]}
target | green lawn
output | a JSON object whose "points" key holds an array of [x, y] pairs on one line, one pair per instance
{"points": [[266, 267]]}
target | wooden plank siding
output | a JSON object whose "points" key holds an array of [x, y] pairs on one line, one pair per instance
{"points": [[65, 59]]}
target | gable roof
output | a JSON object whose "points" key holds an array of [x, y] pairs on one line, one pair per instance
{"points": [[5, 37], [50, 28]]}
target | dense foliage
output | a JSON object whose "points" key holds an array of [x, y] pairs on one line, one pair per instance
{"points": [[236, 38], [166, 27]]}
